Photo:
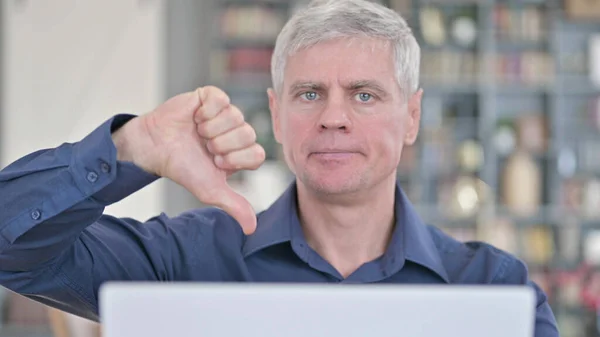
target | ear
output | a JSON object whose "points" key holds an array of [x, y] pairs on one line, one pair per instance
{"points": [[274, 107], [414, 117]]}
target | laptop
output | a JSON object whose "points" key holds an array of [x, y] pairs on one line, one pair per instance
{"points": [[301, 310]]}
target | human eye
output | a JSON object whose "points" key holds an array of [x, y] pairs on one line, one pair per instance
{"points": [[309, 96], [364, 97]]}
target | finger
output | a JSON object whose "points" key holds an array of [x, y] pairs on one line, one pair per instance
{"points": [[227, 120], [249, 158], [213, 100], [232, 203], [239, 208], [236, 139]]}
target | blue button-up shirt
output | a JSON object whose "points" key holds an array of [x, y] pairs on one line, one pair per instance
{"points": [[57, 247]]}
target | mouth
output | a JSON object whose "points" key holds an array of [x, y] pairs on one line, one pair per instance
{"points": [[333, 154]]}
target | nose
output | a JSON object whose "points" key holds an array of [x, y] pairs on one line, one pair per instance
{"points": [[335, 116]]}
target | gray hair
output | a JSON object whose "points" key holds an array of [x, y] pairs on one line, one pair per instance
{"points": [[324, 20]]}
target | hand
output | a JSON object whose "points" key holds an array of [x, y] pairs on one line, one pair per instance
{"points": [[196, 139]]}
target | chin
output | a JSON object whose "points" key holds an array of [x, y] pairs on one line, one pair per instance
{"points": [[333, 183]]}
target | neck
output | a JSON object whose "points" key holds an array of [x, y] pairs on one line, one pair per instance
{"points": [[352, 230]]}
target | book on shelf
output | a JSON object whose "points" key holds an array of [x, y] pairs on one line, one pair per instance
{"points": [[519, 23], [253, 22], [528, 68]]}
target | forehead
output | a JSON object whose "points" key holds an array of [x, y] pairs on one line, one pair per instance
{"points": [[342, 60]]}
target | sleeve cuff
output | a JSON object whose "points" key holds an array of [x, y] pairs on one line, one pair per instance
{"points": [[95, 168]]}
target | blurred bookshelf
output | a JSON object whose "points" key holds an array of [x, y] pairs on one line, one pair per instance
{"points": [[509, 146]]}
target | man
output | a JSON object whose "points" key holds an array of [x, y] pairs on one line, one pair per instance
{"points": [[344, 102]]}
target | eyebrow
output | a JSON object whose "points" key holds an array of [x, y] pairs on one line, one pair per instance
{"points": [[354, 85], [306, 85], [373, 85]]}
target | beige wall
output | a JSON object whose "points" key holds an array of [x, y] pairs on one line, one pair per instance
{"points": [[68, 65]]}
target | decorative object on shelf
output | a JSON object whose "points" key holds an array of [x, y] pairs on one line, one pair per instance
{"points": [[582, 9], [591, 198], [470, 156], [594, 58], [522, 184], [467, 199], [464, 31], [505, 138], [591, 247], [532, 133], [500, 232], [432, 26], [572, 195], [538, 244], [463, 196], [567, 162]]}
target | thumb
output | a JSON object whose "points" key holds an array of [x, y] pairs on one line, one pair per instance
{"points": [[237, 206]]}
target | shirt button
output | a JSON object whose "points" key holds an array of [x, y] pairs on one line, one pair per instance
{"points": [[105, 167], [36, 214], [92, 177]]}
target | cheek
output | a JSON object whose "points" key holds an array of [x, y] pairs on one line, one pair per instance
{"points": [[387, 144], [390, 140], [296, 130]]}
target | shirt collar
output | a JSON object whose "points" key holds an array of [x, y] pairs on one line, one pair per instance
{"points": [[415, 237], [274, 225], [411, 238]]}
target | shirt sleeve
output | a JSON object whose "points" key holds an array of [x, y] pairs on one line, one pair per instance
{"points": [[514, 271], [57, 247]]}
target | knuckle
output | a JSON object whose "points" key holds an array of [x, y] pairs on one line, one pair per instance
{"points": [[203, 130], [199, 114], [222, 100], [259, 157], [215, 96], [213, 146], [250, 132], [232, 162], [237, 116], [220, 97]]}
